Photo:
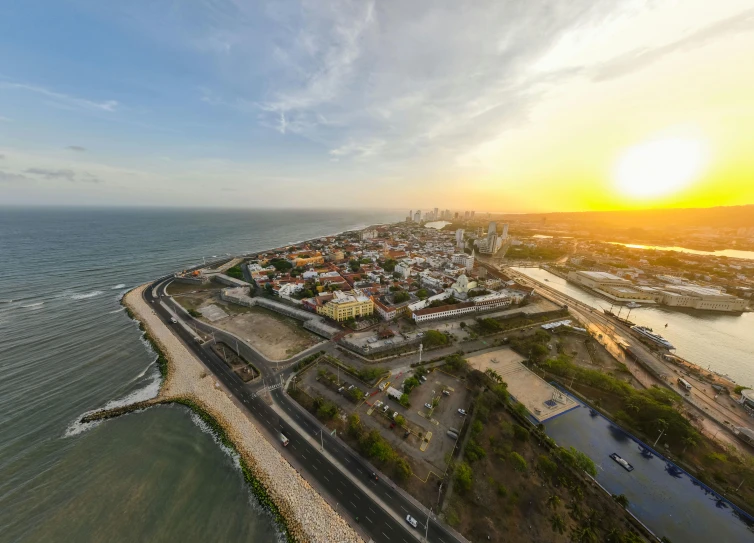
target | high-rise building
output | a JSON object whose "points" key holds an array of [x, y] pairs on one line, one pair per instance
{"points": [[436, 215], [459, 238], [466, 215], [448, 216], [504, 235], [456, 214], [418, 216], [492, 228], [471, 216], [410, 215]]}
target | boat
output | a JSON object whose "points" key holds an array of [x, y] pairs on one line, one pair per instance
{"points": [[632, 305], [621, 462], [649, 334]]}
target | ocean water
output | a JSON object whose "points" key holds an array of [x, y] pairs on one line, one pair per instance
{"points": [[67, 347]]}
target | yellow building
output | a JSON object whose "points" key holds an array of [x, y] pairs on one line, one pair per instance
{"points": [[347, 304], [304, 259]]}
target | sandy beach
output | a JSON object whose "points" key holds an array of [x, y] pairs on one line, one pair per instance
{"points": [[307, 515]]}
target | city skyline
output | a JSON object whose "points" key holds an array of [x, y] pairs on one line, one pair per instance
{"points": [[593, 106]]}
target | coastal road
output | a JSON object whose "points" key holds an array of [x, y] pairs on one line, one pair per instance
{"points": [[378, 523]]}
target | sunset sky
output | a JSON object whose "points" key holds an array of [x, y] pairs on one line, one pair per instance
{"points": [[506, 105]]}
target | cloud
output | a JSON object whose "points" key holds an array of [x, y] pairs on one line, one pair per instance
{"points": [[4, 119], [77, 148], [641, 58], [107, 105], [46, 173], [8, 177]]}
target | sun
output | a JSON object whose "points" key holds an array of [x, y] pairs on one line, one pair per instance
{"points": [[660, 167]]}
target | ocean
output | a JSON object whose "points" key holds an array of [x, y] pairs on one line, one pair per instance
{"points": [[67, 347]]}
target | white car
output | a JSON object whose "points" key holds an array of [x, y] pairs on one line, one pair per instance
{"points": [[428, 405], [462, 412], [412, 521]]}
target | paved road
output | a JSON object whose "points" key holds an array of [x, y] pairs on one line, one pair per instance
{"points": [[380, 525]]}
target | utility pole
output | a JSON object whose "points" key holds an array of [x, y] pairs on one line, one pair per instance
{"points": [[658, 438]]}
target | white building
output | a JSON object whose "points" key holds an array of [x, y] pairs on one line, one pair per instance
{"points": [[467, 261], [403, 269]]}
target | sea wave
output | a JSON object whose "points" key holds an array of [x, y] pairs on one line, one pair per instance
{"points": [[116, 311], [119, 285], [147, 392], [6, 301], [34, 305], [86, 296], [77, 427]]}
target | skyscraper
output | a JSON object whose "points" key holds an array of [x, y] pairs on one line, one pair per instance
{"points": [[459, 238], [410, 215], [436, 215], [504, 235], [492, 228], [418, 216]]}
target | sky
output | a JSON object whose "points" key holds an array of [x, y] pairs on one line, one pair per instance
{"points": [[504, 105]]}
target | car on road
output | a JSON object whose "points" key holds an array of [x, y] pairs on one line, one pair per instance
{"points": [[462, 412], [373, 475], [172, 319], [428, 405], [412, 521]]}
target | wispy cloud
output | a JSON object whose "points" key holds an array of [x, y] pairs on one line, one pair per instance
{"points": [[9, 177], [76, 148], [107, 105], [66, 174]]}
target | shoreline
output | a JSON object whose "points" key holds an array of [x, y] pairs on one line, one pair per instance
{"points": [[299, 511]]}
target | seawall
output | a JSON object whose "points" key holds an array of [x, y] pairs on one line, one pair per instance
{"points": [[301, 512]]}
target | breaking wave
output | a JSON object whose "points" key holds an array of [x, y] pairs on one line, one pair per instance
{"points": [[34, 305], [86, 296], [119, 285]]}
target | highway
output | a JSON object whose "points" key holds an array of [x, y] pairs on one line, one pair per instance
{"points": [[314, 466]]}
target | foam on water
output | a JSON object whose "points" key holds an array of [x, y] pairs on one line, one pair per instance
{"points": [[119, 285], [86, 296], [6, 301], [116, 311], [34, 305], [148, 392], [77, 427]]}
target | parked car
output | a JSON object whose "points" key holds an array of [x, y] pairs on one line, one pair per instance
{"points": [[341, 389], [350, 387], [392, 425], [424, 378], [462, 412], [412, 521], [408, 433], [446, 392], [384, 409], [428, 405]]}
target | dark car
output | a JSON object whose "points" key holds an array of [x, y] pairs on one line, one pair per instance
{"points": [[373, 475]]}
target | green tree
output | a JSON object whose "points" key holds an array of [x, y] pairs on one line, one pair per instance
{"points": [[557, 523], [401, 296], [354, 425], [688, 441], [410, 384], [434, 338], [584, 534], [354, 265], [422, 294], [578, 460], [621, 500], [402, 469], [464, 476], [400, 420], [404, 401], [553, 501]]}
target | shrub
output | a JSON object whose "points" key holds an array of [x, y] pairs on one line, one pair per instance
{"points": [[464, 476], [400, 297], [518, 462], [402, 469], [194, 313], [546, 465], [434, 338], [520, 433], [474, 451]]}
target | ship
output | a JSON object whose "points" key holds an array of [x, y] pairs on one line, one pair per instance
{"points": [[621, 462], [649, 334]]}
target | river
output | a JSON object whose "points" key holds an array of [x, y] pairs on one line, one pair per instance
{"points": [[731, 253], [67, 347], [722, 342], [662, 496]]}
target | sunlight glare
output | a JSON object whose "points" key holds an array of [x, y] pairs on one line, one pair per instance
{"points": [[659, 167]]}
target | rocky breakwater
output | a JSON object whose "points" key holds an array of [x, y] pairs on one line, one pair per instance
{"points": [[301, 511]]}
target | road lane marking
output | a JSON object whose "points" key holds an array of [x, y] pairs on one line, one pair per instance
{"points": [[406, 510], [352, 503], [370, 520], [326, 479]]}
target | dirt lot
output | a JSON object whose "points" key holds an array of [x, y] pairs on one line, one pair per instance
{"points": [[591, 354], [275, 336]]}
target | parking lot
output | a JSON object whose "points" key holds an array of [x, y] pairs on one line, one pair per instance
{"points": [[423, 438]]}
